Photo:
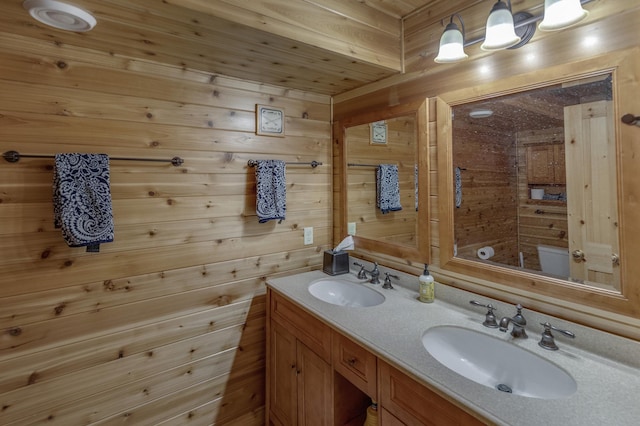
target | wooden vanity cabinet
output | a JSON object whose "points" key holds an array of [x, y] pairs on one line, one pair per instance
{"points": [[299, 374], [318, 376]]}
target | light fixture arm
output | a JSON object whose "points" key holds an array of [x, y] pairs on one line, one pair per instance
{"points": [[461, 23]]}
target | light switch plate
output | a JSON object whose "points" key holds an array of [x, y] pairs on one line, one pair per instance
{"points": [[351, 228], [308, 235]]}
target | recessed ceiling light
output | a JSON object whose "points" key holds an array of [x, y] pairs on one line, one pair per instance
{"points": [[481, 113], [60, 15]]}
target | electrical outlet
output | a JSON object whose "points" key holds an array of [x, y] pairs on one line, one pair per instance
{"points": [[308, 235], [351, 228]]}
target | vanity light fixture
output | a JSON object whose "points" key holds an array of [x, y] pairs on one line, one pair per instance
{"points": [[60, 15], [507, 30], [559, 14], [500, 33], [452, 43]]}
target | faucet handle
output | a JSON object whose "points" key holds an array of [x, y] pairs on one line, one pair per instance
{"points": [[490, 318], [387, 280], [362, 274], [547, 341]]}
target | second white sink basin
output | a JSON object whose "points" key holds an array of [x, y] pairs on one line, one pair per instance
{"points": [[497, 364], [345, 293]]}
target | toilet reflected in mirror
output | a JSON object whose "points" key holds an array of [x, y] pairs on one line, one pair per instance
{"points": [[554, 260]]}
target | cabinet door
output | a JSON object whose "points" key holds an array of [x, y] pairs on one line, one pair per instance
{"points": [[540, 164], [559, 168], [314, 389], [416, 405], [282, 376]]}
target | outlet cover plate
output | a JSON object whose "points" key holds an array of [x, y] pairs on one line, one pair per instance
{"points": [[308, 235]]}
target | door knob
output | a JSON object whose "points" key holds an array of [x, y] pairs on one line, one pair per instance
{"points": [[615, 259], [578, 255]]}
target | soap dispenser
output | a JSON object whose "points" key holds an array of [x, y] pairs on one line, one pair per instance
{"points": [[427, 287]]}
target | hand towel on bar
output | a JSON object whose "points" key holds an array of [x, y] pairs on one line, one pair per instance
{"points": [[388, 188], [458, 184], [82, 200], [271, 191]]}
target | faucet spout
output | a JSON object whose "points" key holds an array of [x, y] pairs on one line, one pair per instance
{"points": [[518, 322], [375, 274], [504, 323]]}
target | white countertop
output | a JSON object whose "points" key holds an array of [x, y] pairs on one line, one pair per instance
{"points": [[608, 390]]}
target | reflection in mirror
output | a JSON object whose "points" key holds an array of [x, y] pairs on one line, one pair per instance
{"points": [[382, 179], [535, 182], [393, 141]]}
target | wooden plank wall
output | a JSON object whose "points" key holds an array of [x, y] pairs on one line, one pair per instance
{"points": [[166, 324], [399, 226], [488, 212]]}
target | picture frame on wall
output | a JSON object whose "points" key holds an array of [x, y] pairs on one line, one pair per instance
{"points": [[270, 120], [378, 133]]}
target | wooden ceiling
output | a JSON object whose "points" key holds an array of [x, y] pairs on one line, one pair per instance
{"points": [[323, 46], [536, 109]]}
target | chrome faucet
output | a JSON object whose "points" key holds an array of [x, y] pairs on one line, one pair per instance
{"points": [[387, 280], [518, 322], [375, 274], [362, 274], [490, 317], [547, 341]]}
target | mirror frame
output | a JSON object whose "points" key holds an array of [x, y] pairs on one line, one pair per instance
{"points": [[562, 295], [419, 253]]}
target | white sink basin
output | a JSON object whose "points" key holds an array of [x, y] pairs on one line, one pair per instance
{"points": [[497, 364], [345, 293]]}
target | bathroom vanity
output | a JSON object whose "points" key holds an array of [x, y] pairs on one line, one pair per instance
{"points": [[327, 362]]}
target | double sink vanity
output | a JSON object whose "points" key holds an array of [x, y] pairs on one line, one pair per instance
{"points": [[434, 363]]}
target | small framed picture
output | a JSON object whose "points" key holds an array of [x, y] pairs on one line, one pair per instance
{"points": [[379, 133], [269, 120]]}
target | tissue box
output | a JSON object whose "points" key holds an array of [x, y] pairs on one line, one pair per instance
{"points": [[335, 263]]}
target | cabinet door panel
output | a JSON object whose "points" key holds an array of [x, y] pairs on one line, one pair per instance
{"points": [[282, 376], [314, 389], [540, 164], [416, 405], [307, 328]]}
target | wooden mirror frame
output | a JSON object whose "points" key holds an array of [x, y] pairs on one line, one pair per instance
{"points": [[560, 297], [420, 253]]}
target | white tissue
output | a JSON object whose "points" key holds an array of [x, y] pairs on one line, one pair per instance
{"points": [[485, 253], [346, 244]]}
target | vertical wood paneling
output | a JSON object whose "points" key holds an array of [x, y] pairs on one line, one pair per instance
{"points": [[165, 324]]}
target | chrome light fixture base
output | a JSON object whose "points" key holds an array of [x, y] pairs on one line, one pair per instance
{"points": [[524, 31]]}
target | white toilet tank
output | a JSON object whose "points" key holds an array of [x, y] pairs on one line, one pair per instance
{"points": [[554, 260]]}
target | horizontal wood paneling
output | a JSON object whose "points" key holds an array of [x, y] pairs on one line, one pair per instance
{"points": [[323, 46], [165, 324]]}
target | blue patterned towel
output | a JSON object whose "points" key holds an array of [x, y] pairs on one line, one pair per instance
{"points": [[271, 191], [458, 185], [388, 188], [82, 200]]}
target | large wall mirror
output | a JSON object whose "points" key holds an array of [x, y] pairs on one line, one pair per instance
{"points": [[534, 185], [385, 162]]}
